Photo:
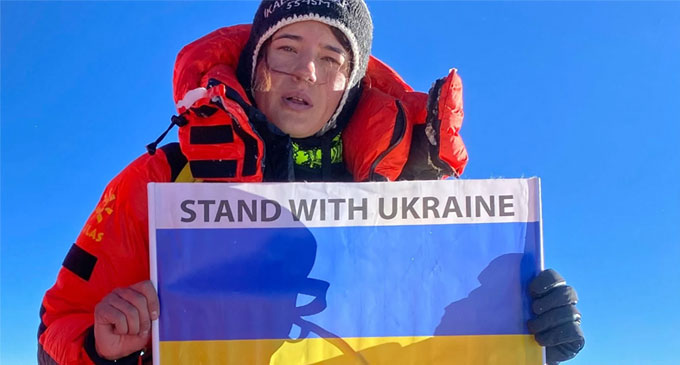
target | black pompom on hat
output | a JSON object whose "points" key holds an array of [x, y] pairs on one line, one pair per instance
{"points": [[351, 17]]}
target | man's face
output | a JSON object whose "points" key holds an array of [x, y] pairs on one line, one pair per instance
{"points": [[308, 71]]}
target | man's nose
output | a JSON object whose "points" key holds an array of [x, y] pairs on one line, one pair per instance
{"points": [[306, 70]]}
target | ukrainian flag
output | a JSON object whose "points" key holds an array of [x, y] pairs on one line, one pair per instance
{"points": [[385, 294]]}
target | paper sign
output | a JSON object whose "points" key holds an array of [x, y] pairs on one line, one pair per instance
{"points": [[422, 272]]}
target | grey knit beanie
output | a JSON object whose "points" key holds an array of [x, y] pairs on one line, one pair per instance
{"points": [[351, 17]]}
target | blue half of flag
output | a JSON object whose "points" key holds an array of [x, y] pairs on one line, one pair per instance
{"points": [[387, 281]]}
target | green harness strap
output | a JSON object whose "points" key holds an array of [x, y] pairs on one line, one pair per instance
{"points": [[311, 158]]}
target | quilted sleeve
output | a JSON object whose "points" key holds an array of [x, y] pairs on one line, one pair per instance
{"points": [[111, 251]]}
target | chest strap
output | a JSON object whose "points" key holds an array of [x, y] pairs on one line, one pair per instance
{"points": [[179, 167]]}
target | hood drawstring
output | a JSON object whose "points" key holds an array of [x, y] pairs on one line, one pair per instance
{"points": [[178, 120]]}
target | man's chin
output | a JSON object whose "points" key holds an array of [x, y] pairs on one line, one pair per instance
{"points": [[296, 128]]}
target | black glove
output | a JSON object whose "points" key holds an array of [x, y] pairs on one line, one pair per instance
{"points": [[557, 325]]}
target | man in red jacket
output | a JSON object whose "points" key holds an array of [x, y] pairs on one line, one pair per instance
{"points": [[295, 97]]}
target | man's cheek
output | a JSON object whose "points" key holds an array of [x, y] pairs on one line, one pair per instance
{"points": [[339, 84]]}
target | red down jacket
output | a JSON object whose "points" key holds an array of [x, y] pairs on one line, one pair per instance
{"points": [[112, 249]]}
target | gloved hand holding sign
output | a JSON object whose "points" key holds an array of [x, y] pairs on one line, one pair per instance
{"points": [[557, 325]]}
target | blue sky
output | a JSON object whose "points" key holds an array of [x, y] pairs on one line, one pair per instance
{"points": [[585, 95]]}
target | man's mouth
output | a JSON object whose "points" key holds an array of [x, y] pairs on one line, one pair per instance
{"points": [[297, 100]]}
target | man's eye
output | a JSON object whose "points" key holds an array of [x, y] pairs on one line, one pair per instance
{"points": [[331, 60], [287, 49]]}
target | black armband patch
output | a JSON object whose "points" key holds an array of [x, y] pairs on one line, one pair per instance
{"points": [[80, 262], [213, 168], [212, 134]]}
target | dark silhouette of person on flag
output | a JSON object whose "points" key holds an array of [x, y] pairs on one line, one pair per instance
{"points": [[247, 290]]}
